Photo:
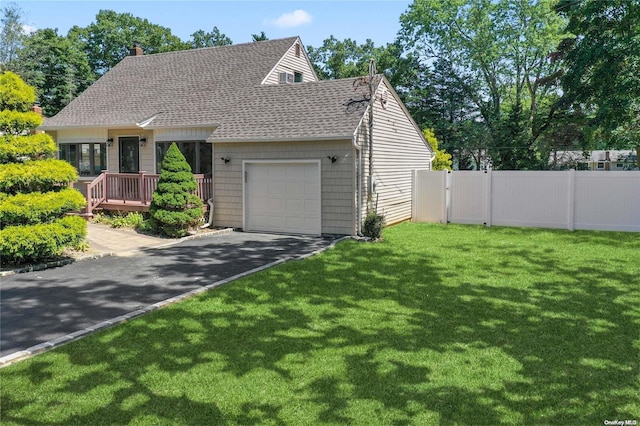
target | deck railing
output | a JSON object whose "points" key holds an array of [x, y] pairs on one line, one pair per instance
{"points": [[130, 187]]}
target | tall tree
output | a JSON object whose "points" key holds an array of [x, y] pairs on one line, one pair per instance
{"points": [[56, 67], [499, 52], [259, 37], [11, 35], [602, 56], [214, 38], [342, 58], [108, 40]]}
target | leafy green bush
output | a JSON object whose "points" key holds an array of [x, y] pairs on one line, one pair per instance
{"points": [[15, 121], [20, 244], [37, 207], [133, 220], [175, 208], [41, 175], [13, 148], [373, 225]]}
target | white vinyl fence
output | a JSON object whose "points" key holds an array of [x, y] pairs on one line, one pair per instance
{"points": [[545, 199]]}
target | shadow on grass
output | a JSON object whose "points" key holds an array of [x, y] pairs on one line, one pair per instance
{"points": [[505, 329]]}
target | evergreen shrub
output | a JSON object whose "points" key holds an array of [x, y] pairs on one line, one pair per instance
{"points": [[36, 207], [175, 208]]}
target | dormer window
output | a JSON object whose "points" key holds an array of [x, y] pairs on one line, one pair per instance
{"points": [[297, 77]]}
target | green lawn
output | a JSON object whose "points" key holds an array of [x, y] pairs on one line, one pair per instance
{"points": [[434, 325]]}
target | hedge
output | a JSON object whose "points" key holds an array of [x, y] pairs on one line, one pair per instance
{"points": [[37, 207], [40, 175], [14, 148], [32, 243]]}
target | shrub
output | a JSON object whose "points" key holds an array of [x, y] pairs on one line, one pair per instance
{"points": [[373, 225], [19, 244], [133, 220], [175, 208], [37, 207]]}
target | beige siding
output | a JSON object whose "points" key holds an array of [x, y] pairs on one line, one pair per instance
{"points": [[290, 63], [147, 153], [398, 148], [81, 136], [337, 179], [186, 134]]}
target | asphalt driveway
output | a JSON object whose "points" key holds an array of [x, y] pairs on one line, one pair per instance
{"points": [[43, 306]]}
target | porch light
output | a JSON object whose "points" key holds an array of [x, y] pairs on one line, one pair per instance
{"points": [[225, 159], [109, 141], [143, 141], [333, 158]]}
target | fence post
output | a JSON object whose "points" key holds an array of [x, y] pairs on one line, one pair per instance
{"points": [[413, 195], [572, 197], [488, 198], [447, 197]]}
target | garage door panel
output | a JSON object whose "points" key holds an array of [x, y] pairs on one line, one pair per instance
{"points": [[283, 197]]}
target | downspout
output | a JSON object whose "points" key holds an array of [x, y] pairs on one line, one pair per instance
{"points": [[210, 222]]}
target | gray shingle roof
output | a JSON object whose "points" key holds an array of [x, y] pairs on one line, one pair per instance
{"points": [[214, 86]]}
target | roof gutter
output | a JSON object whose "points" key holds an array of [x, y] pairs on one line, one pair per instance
{"points": [[287, 139]]}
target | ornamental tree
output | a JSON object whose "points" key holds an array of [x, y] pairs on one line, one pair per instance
{"points": [[35, 196], [175, 208]]}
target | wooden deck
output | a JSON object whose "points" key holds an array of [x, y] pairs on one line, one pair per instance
{"points": [[131, 192]]}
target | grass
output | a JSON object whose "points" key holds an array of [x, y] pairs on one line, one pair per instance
{"points": [[433, 325]]}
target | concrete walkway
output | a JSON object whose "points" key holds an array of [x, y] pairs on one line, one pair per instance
{"points": [[105, 239], [43, 309]]}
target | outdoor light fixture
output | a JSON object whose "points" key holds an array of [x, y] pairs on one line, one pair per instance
{"points": [[109, 141], [225, 159], [333, 158], [143, 141]]}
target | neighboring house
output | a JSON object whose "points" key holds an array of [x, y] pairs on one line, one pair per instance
{"points": [[287, 153], [604, 160]]}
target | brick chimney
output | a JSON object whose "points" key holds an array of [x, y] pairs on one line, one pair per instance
{"points": [[38, 110], [136, 50]]}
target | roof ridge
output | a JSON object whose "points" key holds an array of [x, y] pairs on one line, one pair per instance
{"points": [[200, 49]]}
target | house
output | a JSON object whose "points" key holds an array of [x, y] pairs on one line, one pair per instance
{"points": [[597, 160], [285, 152]]}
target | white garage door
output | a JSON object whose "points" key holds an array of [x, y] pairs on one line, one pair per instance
{"points": [[282, 197]]}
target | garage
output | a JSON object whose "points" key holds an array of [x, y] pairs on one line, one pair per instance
{"points": [[282, 196]]}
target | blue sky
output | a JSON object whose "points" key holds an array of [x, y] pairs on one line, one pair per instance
{"points": [[313, 21]]}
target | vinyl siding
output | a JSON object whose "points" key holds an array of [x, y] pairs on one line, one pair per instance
{"points": [[398, 148], [290, 63], [337, 179], [186, 134], [147, 152]]}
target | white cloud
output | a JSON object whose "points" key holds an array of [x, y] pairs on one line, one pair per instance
{"points": [[290, 20], [28, 29]]}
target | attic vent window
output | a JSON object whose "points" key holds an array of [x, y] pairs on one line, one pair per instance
{"points": [[297, 50], [286, 78]]}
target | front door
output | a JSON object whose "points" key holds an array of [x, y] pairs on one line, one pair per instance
{"points": [[129, 154]]}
